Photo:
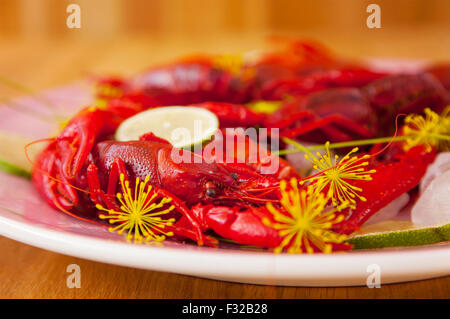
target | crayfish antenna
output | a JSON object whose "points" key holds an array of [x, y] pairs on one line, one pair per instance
{"points": [[25, 148], [242, 196]]}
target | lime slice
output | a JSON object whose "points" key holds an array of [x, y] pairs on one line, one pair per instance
{"points": [[182, 126], [13, 169], [12, 154], [398, 233]]}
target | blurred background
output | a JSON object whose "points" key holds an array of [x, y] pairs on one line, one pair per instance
{"points": [[123, 36]]}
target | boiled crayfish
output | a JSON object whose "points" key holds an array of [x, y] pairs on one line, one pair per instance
{"points": [[137, 186]]}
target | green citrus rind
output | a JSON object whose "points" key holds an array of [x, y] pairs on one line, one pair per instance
{"points": [[13, 169], [406, 237], [12, 154]]}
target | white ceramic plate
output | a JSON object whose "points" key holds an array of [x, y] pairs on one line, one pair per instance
{"points": [[25, 217], [72, 237]]}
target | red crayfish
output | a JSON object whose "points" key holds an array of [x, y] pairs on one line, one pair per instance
{"points": [[81, 168], [323, 99]]}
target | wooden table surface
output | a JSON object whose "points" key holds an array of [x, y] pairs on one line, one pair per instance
{"points": [[28, 272]]}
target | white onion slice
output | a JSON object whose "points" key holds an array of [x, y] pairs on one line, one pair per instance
{"points": [[440, 165], [433, 206], [390, 211]]}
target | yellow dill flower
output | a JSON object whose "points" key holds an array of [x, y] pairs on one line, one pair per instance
{"points": [[305, 223], [108, 91], [267, 107], [104, 92], [431, 131], [139, 213], [228, 62], [338, 175], [101, 103], [62, 123]]}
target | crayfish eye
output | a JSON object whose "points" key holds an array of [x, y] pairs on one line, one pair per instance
{"points": [[211, 189], [211, 192]]}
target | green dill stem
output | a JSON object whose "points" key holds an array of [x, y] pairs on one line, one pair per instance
{"points": [[300, 147], [440, 137], [15, 106], [21, 88], [15, 170], [340, 144], [17, 86]]}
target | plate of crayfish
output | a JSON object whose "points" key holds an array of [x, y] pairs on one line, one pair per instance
{"points": [[294, 166]]}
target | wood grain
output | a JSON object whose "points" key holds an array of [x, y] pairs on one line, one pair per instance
{"points": [[28, 272]]}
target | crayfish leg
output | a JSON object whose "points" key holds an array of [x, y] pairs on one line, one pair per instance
{"points": [[181, 230], [50, 180], [118, 169], [185, 211], [330, 123], [97, 195]]}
